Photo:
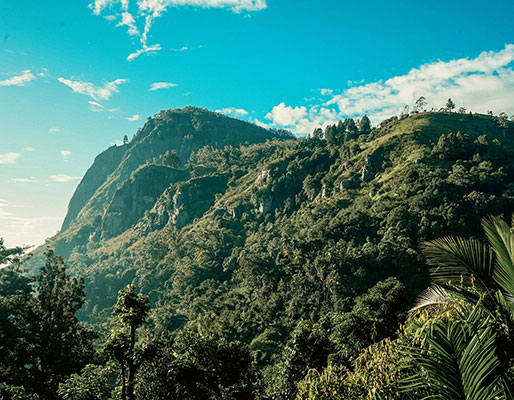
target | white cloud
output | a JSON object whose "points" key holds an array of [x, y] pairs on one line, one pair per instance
{"points": [[135, 117], [64, 178], [233, 111], [65, 155], [97, 107], [24, 180], [95, 92], [161, 85], [140, 20], [478, 84], [29, 149], [183, 48], [9, 158], [19, 80], [54, 130], [146, 49]]}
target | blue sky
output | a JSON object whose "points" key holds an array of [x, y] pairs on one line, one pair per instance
{"points": [[75, 76]]}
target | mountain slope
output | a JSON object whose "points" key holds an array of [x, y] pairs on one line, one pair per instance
{"points": [[248, 240]]}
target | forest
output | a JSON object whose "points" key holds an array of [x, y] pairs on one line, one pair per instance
{"points": [[208, 258]]}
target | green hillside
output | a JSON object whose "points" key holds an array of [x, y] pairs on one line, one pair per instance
{"points": [[286, 253], [253, 238]]}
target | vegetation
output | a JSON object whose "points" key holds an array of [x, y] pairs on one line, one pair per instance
{"points": [[275, 268]]}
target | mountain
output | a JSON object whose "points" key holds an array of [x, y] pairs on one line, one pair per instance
{"points": [[247, 231]]}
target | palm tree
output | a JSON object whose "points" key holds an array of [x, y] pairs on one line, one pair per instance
{"points": [[467, 356]]}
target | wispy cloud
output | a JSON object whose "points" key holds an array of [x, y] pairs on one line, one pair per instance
{"points": [[483, 83], [97, 107], [140, 19], [19, 80], [64, 178], [29, 149], [135, 117], [32, 179], [54, 129], [9, 158], [65, 155], [144, 50], [233, 111], [95, 92], [161, 85]]}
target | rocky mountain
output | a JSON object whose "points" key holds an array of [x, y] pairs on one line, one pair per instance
{"points": [[233, 227]]}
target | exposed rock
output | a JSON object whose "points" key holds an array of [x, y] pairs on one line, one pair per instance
{"points": [[345, 184], [265, 204], [264, 178], [135, 196], [195, 197]]}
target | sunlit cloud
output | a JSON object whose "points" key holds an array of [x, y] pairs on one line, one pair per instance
{"points": [[29, 149], [479, 84], [140, 19], [161, 85], [95, 92], [32, 179], [135, 117], [64, 178], [65, 154], [239, 112], [9, 158], [54, 130], [19, 80]]}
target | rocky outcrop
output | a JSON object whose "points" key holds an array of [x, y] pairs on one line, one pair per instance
{"points": [[193, 198], [137, 195]]}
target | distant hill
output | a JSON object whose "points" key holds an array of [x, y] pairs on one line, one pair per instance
{"points": [[228, 225]]}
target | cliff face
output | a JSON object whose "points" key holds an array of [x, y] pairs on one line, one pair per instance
{"points": [[137, 195], [102, 167], [126, 181]]}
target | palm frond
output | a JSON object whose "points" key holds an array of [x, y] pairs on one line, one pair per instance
{"points": [[438, 295], [455, 259], [459, 360], [501, 239]]}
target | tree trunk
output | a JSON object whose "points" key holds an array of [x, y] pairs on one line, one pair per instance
{"points": [[123, 385], [131, 364]]}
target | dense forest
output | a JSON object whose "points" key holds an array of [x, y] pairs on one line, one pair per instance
{"points": [[208, 258]]}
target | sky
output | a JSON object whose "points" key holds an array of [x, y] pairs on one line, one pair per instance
{"points": [[76, 76]]}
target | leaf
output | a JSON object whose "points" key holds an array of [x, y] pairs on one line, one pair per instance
{"points": [[458, 259]]}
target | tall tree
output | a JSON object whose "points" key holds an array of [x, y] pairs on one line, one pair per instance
{"points": [[365, 125], [131, 310], [450, 105], [421, 104], [62, 345], [503, 122]]}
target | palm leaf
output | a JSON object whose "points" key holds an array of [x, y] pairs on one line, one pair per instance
{"points": [[455, 260], [458, 361], [501, 239]]}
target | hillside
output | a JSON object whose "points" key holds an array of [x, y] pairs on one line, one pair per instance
{"points": [[248, 236]]}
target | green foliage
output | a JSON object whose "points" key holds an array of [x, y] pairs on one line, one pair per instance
{"points": [[196, 367], [92, 383], [41, 340]]}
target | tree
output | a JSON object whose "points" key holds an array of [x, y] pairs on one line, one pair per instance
{"points": [[421, 104], [462, 110], [503, 122], [450, 105], [317, 133], [171, 159], [365, 125], [125, 139], [62, 345], [131, 310]]}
